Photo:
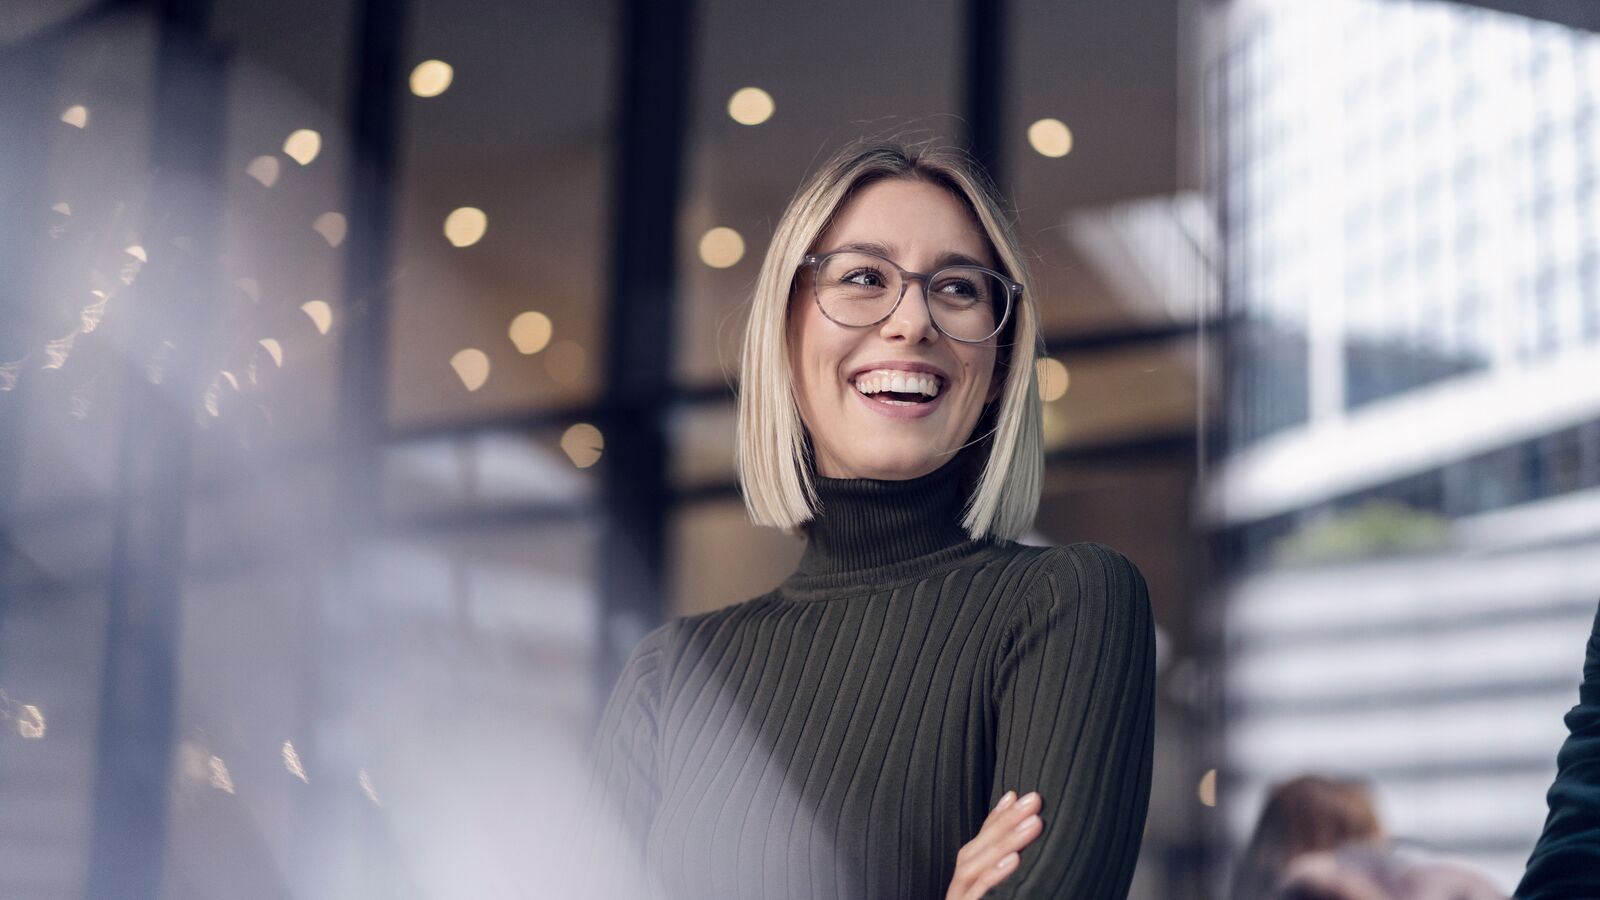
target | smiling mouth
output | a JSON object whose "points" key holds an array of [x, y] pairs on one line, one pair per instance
{"points": [[898, 387]]}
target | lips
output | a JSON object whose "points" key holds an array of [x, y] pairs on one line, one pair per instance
{"points": [[900, 389]]}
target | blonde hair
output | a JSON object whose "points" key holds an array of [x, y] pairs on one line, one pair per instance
{"points": [[775, 473]]}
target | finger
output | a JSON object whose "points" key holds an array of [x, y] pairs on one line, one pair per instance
{"points": [[1009, 832], [998, 826], [997, 873], [1005, 803]]}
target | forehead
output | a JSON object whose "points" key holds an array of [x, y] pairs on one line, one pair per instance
{"points": [[916, 219]]}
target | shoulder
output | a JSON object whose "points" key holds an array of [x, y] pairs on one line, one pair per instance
{"points": [[1086, 580], [662, 648]]}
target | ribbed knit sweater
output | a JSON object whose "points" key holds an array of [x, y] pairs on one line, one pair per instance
{"points": [[845, 734]]}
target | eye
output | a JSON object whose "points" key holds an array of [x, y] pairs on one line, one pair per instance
{"points": [[958, 287], [864, 278]]}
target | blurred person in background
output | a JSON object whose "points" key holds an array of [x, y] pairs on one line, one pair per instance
{"points": [[1304, 815], [1566, 861], [925, 707], [1374, 872]]}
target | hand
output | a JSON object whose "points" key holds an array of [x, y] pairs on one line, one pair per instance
{"points": [[987, 859]]}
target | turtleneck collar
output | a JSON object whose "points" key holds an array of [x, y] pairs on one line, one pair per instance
{"points": [[867, 523]]}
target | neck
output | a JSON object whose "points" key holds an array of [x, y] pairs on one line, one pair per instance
{"points": [[863, 523]]}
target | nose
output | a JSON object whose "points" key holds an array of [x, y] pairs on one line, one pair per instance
{"points": [[910, 320]]}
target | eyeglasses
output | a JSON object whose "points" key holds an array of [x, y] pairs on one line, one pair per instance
{"points": [[856, 289]]}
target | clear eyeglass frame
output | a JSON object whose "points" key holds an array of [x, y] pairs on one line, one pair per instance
{"points": [[1013, 291]]}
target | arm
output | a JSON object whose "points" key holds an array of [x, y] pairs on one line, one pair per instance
{"points": [[1566, 861], [1074, 688], [623, 790]]}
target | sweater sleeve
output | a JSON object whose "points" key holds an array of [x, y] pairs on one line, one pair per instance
{"points": [[1075, 685], [623, 791], [1566, 861]]}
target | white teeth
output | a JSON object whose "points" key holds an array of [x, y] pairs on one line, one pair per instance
{"points": [[880, 380]]}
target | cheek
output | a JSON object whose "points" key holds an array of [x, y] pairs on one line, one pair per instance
{"points": [[982, 375], [809, 357]]}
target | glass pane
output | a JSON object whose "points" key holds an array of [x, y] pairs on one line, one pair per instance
{"points": [[823, 92], [501, 209]]}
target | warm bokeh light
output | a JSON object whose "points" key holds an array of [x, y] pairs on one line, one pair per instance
{"points": [[321, 314], [220, 779], [263, 169], [31, 723], [721, 247], [565, 362], [530, 331], [63, 207], [77, 116], [1051, 137], [465, 226], [137, 252], [331, 226], [582, 443], [365, 780], [303, 146], [431, 78], [750, 106], [89, 317], [274, 350], [472, 367], [1053, 379], [291, 762], [55, 352], [1208, 788]]}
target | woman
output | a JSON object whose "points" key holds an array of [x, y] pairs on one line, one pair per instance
{"points": [[1308, 814], [867, 728]]}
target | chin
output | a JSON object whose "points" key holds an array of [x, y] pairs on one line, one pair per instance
{"points": [[898, 465]]}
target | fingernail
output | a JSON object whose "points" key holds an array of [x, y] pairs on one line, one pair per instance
{"points": [[1029, 800], [1027, 823], [1007, 861], [1006, 800]]}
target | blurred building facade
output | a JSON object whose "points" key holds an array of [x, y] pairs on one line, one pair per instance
{"points": [[1409, 499]]}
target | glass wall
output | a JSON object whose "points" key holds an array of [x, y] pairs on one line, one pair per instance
{"points": [[1407, 198]]}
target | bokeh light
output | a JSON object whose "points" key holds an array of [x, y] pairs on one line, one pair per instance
{"points": [[530, 331], [565, 362], [1053, 379], [263, 169], [332, 227], [465, 226], [77, 116], [721, 247], [583, 443], [1208, 788], [274, 350], [750, 106], [472, 367], [291, 762], [1050, 137], [431, 78], [303, 146], [321, 314]]}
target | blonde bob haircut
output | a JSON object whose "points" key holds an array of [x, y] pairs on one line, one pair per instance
{"points": [[772, 447]]}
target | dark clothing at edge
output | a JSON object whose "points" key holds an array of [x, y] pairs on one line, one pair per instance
{"points": [[1566, 861]]}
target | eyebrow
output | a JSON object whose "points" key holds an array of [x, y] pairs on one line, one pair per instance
{"points": [[947, 258]]}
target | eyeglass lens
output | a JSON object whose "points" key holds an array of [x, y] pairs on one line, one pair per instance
{"points": [[858, 289]]}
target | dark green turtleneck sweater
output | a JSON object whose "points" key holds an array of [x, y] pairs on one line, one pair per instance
{"points": [[845, 734]]}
